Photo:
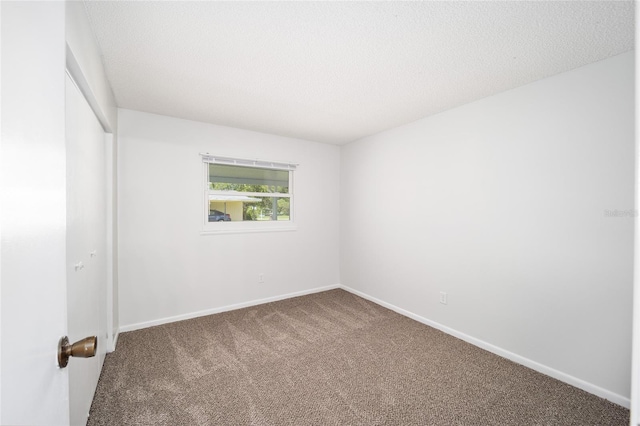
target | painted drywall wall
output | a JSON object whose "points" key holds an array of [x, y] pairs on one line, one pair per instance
{"points": [[518, 206], [84, 62], [167, 268]]}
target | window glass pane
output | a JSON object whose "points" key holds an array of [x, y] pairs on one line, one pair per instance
{"points": [[247, 179], [268, 208], [235, 208]]}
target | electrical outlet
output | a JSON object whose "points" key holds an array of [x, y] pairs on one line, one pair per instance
{"points": [[260, 278], [443, 297]]}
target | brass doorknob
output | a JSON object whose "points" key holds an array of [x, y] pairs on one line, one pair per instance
{"points": [[85, 348]]}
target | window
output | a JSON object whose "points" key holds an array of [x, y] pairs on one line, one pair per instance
{"points": [[247, 195]]}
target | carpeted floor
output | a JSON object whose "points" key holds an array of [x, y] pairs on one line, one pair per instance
{"points": [[330, 358]]}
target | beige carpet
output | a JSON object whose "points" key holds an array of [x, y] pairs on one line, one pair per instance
{"points": [[330, 358]]}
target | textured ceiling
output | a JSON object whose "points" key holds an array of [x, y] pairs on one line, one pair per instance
{"points": [[338, 71]]}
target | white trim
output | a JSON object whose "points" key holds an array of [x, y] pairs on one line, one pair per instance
{"points": [[259, 164], [635, 335], [76, 74], [227, 228], [1, 204], [146, 324], [109, 192], [231, 196], [115, 342], [238, 194], [559, 375]]}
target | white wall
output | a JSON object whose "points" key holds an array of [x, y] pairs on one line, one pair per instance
{"points": [[167, 268], [506, 201]]}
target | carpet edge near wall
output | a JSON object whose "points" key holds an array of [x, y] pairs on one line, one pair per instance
{"points": [[225, 308], [529, 363], [496, 350]]}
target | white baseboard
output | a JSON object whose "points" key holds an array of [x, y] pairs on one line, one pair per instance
{"points": [[563, 377], [205, 312], [556, 374]]}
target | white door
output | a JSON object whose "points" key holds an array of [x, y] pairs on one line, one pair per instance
{"points": [[37, 254], [34, 391], [86, 246]]}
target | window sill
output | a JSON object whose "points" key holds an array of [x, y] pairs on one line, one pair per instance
{"points": [[243, 228]]}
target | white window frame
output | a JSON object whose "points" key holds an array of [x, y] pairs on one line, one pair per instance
{"points": [[212, 228]]}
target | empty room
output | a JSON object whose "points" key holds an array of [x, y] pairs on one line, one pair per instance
{"points": [[318, 213]]}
